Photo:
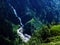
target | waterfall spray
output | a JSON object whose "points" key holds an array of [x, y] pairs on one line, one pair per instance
{"points": [[24, 37]]}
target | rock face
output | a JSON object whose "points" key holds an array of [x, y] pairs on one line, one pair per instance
{"points": [[46, 11], [20, 7]]}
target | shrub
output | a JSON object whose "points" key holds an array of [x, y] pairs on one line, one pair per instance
{"points": [[54, 38], [55, 30]]}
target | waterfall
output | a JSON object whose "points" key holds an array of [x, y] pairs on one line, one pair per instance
{"points": [[24, 37]]}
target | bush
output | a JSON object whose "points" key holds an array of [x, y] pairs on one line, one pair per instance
{"points": [[55, 30], [54, 39]]}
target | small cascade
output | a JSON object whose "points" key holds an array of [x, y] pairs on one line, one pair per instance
{"points": [[25, 37]]}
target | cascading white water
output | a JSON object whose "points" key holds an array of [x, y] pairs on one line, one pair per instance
{"points": [[24, 37]]}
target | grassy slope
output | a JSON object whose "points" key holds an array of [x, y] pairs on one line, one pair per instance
{"points": [[55, 40]]}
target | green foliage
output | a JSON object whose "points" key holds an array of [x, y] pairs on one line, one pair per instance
{"points": [[35, 39], [55, 30], [44, 35], [41, 36], [55, 27], [45, 32], [54, 38]]}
